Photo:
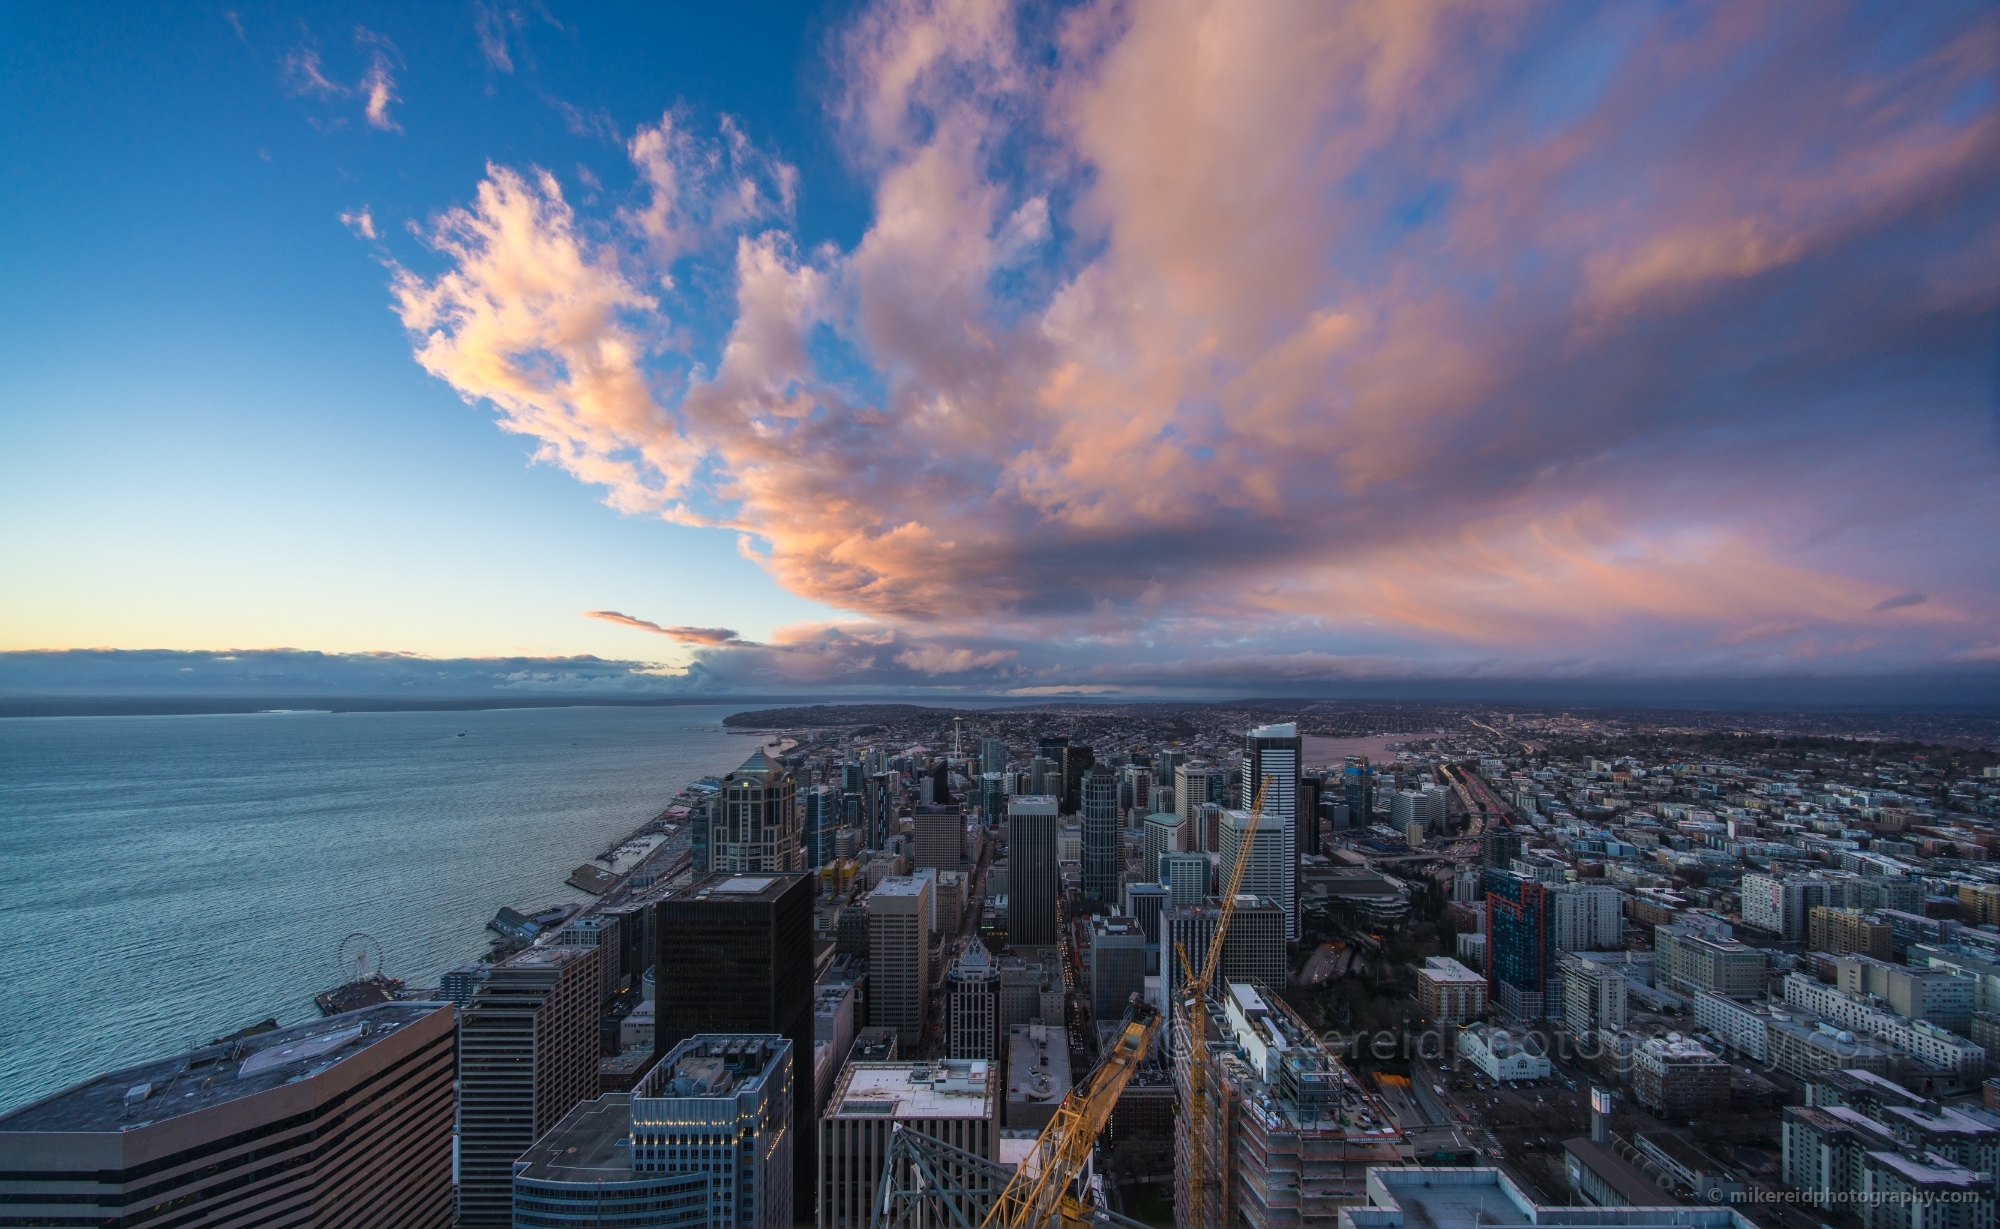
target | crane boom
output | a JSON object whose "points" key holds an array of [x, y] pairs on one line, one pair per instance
{"points": [[1191, 1062], [1042, 1193]]}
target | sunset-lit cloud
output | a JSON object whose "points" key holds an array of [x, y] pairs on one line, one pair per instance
{"points": [[1193, 341], [686, 635]]}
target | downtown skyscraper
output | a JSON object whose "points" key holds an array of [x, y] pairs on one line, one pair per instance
{"points": [[1272, 762], [1102, 857], [734, 955], [1034, 879], [753, 821]]}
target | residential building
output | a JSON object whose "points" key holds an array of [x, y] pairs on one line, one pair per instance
{"points": [[1738, 1025], [1802, 1048], [356, 1103], [1499, 846], [992, 758], [1844, 1158], [1782, 904], [1944, 997], [1937, 1046], [527, 1055], [1690, 958], [1034, 881], [1593, 996], [1977, 964], [1520, 942], [819, 819], [735, 957], [1848, 930], [1677, 1078], [950, 1100], [1358, 791], [1450, 993], [972, 1004], [899, 958], [1588, 917], [754, 820]]}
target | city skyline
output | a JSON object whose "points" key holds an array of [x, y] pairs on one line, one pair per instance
{"points": [[966, 349]]}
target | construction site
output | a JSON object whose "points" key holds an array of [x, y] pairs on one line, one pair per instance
{"points": [[1270, 1127]]}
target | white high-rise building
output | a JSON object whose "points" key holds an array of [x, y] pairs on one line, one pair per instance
{"points": [[1162, 836], [1593, 996], [1273, 861], [1273, 758], [1588, 917], [1190, 794], [899, 964]]}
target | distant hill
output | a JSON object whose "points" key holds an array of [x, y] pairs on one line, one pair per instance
{"points": [[830, 714]]}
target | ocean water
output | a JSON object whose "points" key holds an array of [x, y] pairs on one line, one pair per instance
{"points": [[165, 880]]}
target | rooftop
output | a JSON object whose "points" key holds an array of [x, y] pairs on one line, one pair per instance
{"points": [[732, 888], [900, 885], [942, 1088], [1934, 1170], [1618, 1173], [1423, 1197], [591, 1144], [1037, 1064], [202, 1079], [1444, 968], [714, 1065]]}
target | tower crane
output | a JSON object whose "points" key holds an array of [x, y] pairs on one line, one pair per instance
{"points": [[1202, 1166], [1045, 1190]]}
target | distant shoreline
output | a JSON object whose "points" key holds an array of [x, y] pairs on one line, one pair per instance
{"points": [[190, 706]]}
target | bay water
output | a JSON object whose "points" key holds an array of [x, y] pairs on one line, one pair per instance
{"points": [[166, 880]]}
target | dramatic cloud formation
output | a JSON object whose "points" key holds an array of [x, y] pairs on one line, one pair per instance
{"points": [[1296, 342]]}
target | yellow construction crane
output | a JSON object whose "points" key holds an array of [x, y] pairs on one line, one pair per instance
{"points": [[1043, 1192], [1191, 1032]]}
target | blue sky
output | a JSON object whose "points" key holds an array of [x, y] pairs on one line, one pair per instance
{"points": [[216, 435], [1006, 348]]}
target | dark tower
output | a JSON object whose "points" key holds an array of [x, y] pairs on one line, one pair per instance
{"points": [[1309, 807], [1102, 857], [734, 955]]}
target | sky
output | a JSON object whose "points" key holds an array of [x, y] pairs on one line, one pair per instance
{"points": [[1080, 349]]}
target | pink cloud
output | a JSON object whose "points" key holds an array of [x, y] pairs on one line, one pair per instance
{"points": [[1395, 333]]}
